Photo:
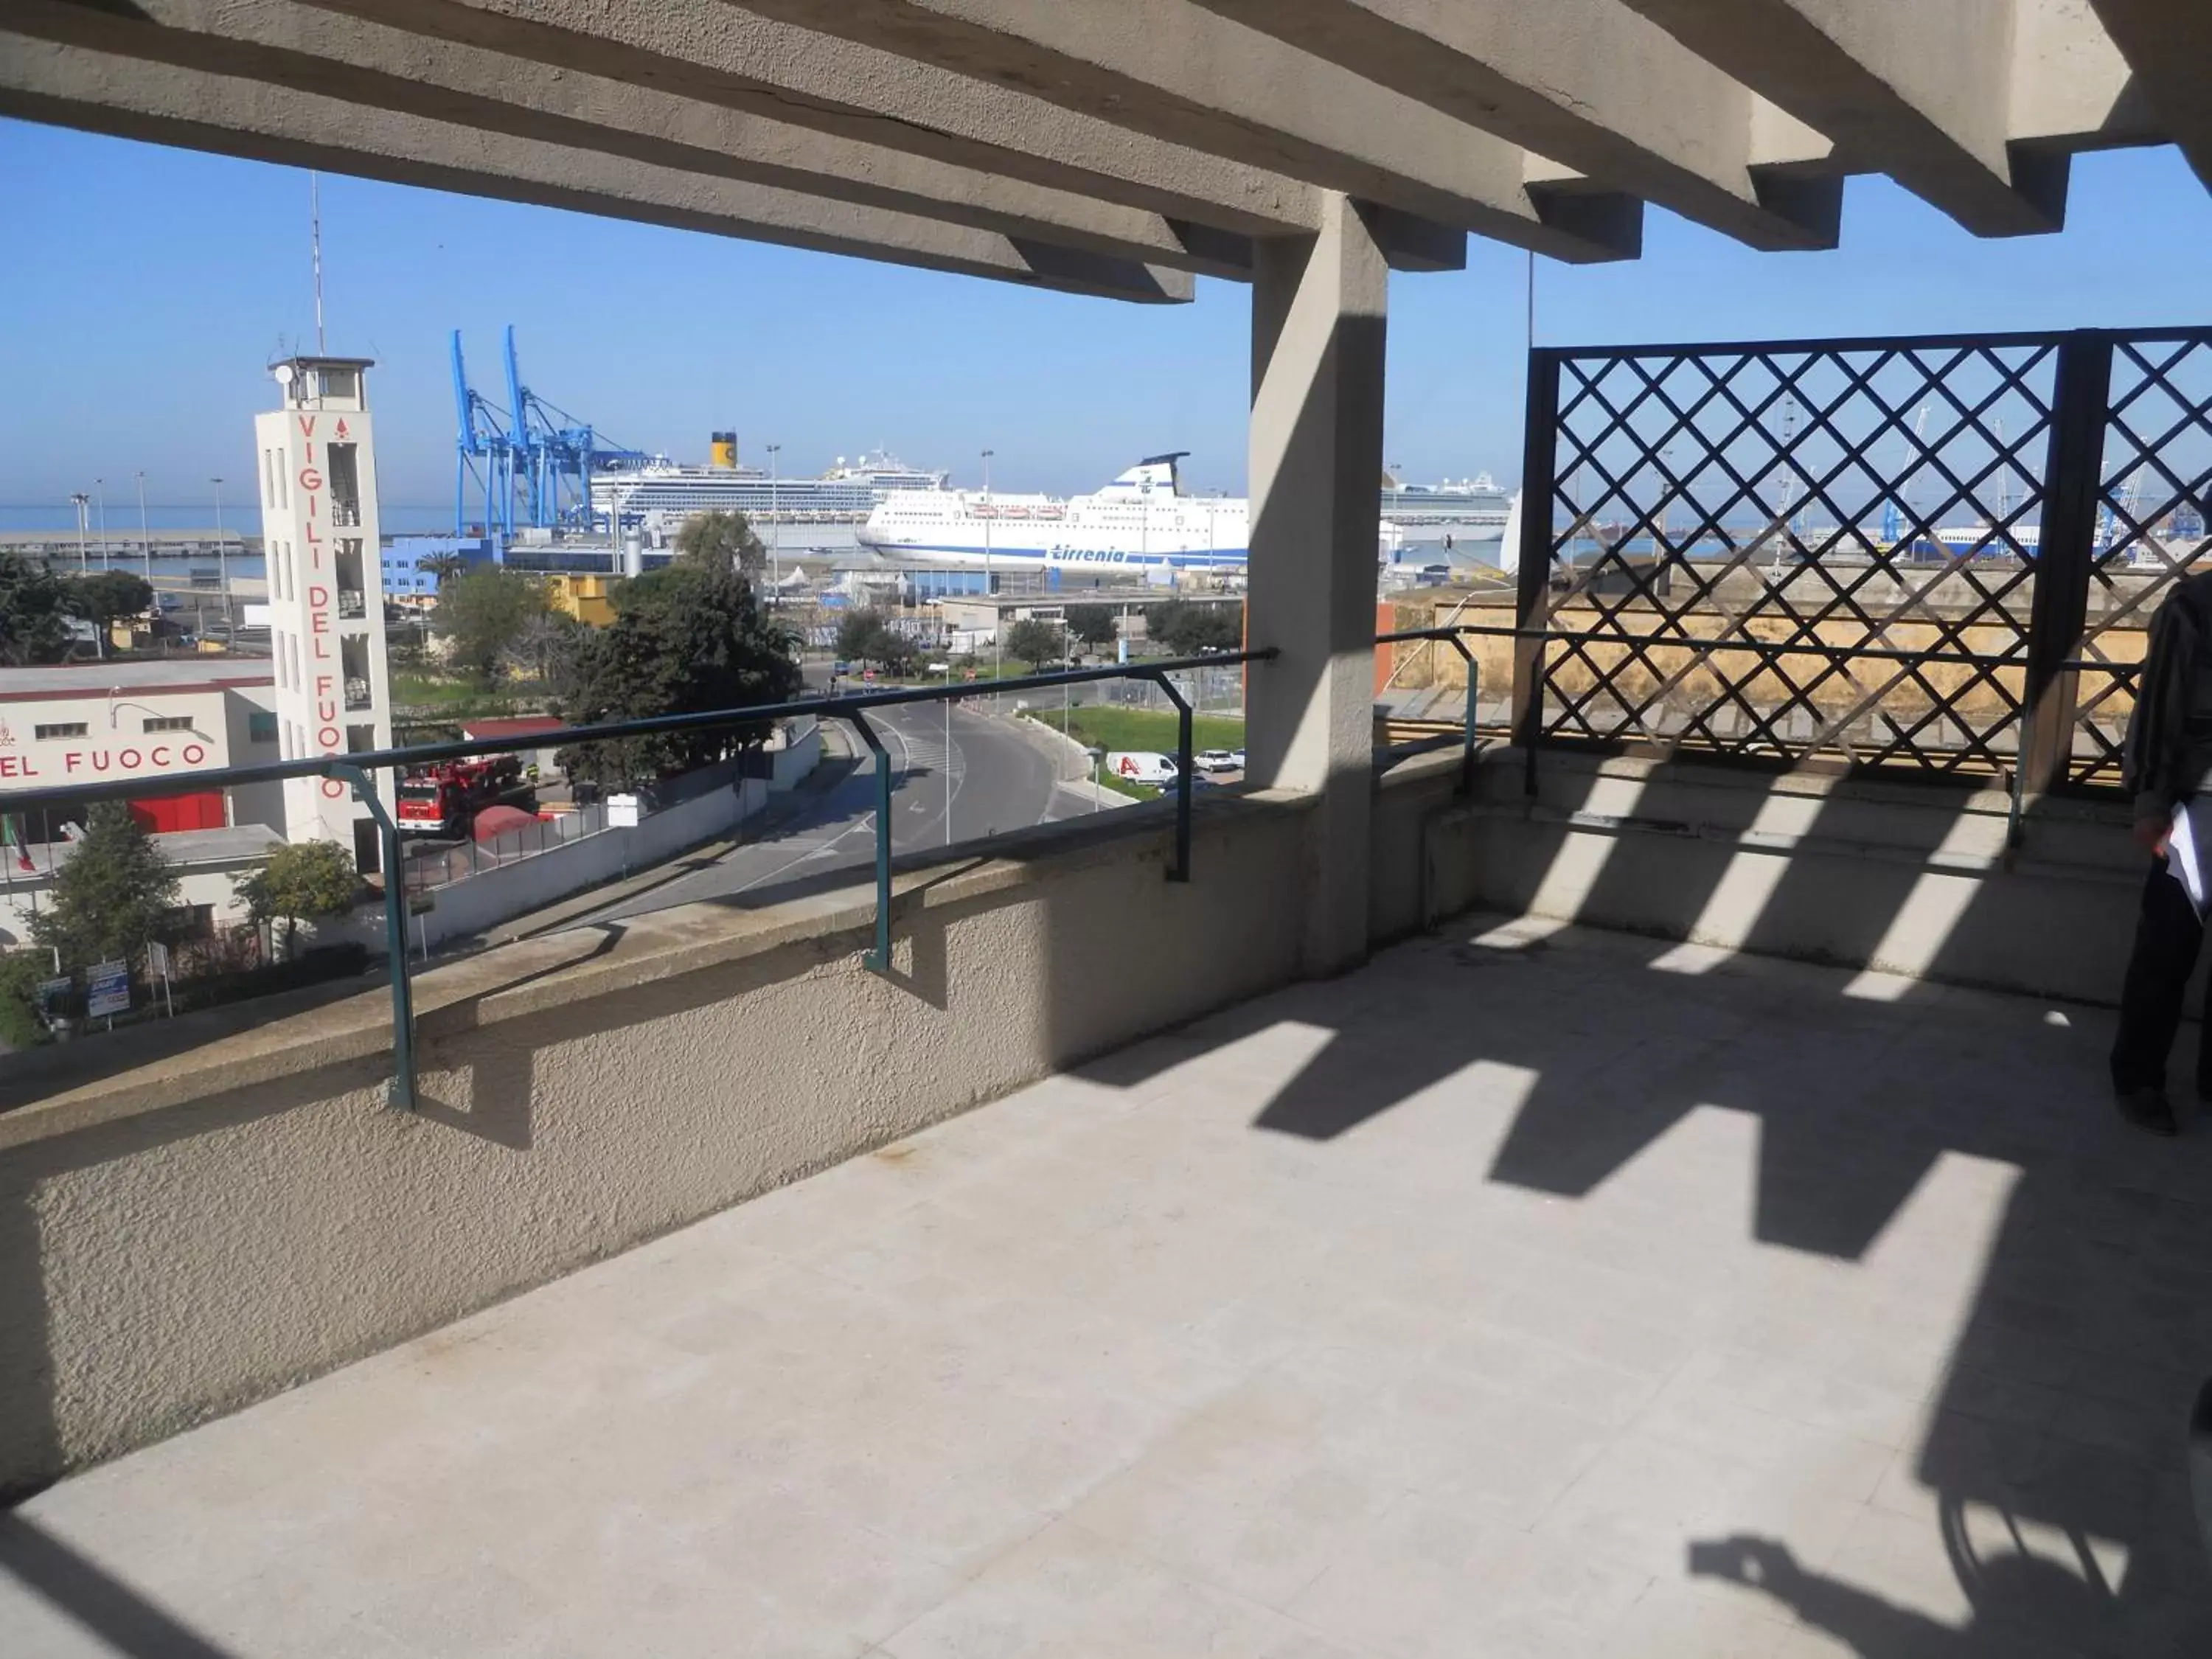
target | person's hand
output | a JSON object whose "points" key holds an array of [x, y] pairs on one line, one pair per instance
{"points": [[2150, 834]]}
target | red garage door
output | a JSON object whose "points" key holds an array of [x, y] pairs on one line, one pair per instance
{"points": [[199, 811]]}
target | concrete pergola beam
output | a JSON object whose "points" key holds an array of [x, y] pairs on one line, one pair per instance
{"points": [[714, 54], [1921, 92], [703, 50], [1583, 83], [131, 98], [1176, 72], [293, 45], [2169, 47]]}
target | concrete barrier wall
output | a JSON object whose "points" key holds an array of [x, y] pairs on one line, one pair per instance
{"points": [[175, 1243], [795, 761], [469, 908]]}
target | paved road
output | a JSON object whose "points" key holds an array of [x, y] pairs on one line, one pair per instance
{"points": [[994, 778]]}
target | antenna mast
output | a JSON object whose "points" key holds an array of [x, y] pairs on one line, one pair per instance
{"points": [[315, 248]]}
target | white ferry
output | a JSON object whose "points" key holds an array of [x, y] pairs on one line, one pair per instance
{"points": [[1142, 521]]}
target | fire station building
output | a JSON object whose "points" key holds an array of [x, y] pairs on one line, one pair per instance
{"points": [[99, 722]]}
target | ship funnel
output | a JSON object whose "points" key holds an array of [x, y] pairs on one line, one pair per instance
{"points": [[722, 451]]}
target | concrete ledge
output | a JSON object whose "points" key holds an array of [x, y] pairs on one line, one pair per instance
{"points": [[1902, 877], [182, 1239]]}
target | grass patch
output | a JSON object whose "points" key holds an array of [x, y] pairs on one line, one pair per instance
{"points": [[441, 698], [1105, 726]]}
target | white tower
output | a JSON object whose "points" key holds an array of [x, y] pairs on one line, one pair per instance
{"points": [[318, 533]]}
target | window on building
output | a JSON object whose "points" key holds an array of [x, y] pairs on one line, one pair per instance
{"points": [[66, 729], [261, 726], [167, 723], [341, 383]]}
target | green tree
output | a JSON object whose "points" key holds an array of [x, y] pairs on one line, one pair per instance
{"points": [[107, 598], [483, 612], [724, 540], [113, 893], [688, 638], [34, 614], [866, 636], [1036, 642], [307, 881], [1187, 629], [20, 1025], [1091, 624]]}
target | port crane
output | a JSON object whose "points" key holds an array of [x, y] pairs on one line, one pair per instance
{"points": [[532, 460]]}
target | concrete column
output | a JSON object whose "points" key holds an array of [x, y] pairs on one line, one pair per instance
{"points": [[1318, 306]]}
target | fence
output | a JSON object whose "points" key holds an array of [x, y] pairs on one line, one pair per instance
{"points": [[1928, 554]]}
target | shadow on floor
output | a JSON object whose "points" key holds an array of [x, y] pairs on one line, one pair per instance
{"points": [[125, 1621]]}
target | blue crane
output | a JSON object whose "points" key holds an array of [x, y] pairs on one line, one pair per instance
{"points": [[483, 451], [532, 450], [556, 454]]}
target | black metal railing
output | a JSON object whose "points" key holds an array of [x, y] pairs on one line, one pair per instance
{"points": [[2011, 508], [357, 769]]}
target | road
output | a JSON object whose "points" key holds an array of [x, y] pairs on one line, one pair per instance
{"points": [[993, 778]]}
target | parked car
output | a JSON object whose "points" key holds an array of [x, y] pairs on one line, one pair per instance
{"points": [[1236, 758], [1216, 760]]}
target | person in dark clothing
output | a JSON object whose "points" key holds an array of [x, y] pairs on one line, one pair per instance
{"points": [[2167, 758]]}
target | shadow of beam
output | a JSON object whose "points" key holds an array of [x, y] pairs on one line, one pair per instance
{"points": [[125, 1620]]}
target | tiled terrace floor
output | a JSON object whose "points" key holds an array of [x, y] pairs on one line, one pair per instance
{"points": [[1513, 1296]]}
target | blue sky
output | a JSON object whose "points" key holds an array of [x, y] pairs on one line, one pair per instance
{"points": [[149, 286]]}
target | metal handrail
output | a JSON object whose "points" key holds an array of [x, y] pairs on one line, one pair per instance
{"points": [[354, 769]]}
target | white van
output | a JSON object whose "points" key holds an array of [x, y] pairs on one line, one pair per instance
{"points": [[1142, 766]]}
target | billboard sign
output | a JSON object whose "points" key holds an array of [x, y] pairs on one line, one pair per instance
{"points": [[109, 989]]}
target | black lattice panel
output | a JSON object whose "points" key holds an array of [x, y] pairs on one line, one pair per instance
{"points": [[2155, 487], [1784, 551]]}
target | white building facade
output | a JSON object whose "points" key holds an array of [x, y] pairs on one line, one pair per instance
{"points": [[106, 722], [319, 535]]}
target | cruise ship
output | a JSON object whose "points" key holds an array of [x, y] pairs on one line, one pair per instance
{"points": [[1141, 522], [1474, 508], [846, 493]]}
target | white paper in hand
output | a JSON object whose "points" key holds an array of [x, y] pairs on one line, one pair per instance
{"points": [[2184, 858]]}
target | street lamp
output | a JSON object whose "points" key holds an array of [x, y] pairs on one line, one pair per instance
{"points": [[83, 500], [991, 587], [221, 565], [775, 522], [145, 539]]}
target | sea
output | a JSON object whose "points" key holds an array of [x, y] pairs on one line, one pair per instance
{"points": [[121, 544]]}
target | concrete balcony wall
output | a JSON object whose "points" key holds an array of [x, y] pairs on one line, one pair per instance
{"points": [[1905, 878], [177, 1242]]}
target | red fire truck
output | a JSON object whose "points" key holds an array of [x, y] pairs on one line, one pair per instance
{"points": [[444, 799]]}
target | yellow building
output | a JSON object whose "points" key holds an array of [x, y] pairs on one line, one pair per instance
{"points": [[589, 599]]}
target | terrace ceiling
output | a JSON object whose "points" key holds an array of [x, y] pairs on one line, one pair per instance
{"points": [[1120, 147]]}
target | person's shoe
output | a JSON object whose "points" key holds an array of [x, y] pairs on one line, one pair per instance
{"points": [[2148, 1109]]}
